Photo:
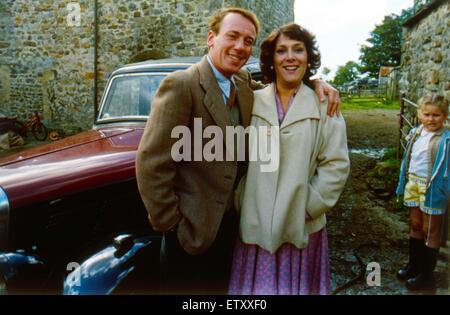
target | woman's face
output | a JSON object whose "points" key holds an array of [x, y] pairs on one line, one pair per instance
{"points": [[290, 61]]}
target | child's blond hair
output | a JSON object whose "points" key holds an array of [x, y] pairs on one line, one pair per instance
{"points": [[435, 100]]}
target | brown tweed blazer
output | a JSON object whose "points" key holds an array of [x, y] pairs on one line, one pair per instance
{"points": [[189, 195]]}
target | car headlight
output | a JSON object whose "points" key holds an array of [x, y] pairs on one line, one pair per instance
{"points": [[4, 219]]}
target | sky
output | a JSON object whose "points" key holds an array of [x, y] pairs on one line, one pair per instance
{"points": [[342, 26]]}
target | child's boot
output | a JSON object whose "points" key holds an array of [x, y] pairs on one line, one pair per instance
{"points": [[416, 254], [425, 280]]}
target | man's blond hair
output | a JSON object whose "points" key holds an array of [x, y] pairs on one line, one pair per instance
{"points": [[218, 16]]}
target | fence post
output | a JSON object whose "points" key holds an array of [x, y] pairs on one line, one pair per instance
{"points": [[402, 112]]}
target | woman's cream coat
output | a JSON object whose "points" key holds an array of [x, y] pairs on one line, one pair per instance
{"points": [[311, 174]]}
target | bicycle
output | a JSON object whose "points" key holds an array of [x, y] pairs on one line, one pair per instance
{"points": [[38, 129]]}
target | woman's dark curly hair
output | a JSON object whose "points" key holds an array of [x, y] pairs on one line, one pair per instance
{"points": [[295, 32]]}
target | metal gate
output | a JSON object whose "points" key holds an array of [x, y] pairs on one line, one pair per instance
{"points": [[408, 120]]}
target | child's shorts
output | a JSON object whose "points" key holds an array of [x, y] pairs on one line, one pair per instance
{"points": [[415, 191]]}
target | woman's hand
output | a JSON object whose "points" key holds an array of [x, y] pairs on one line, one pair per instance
{"points": [[323, 89]]}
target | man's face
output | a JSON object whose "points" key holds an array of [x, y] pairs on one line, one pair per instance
{"points": [[230, 49]]}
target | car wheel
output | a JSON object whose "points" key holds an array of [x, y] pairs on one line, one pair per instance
{"points": [[40, 132]]}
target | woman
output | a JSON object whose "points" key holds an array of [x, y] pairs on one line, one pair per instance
{"points": [[283, 247]]}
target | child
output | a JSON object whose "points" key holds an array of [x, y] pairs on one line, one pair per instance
{"points": [[427, 191]]}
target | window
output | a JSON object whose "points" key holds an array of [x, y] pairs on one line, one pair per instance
{"points": [[130, 96]]}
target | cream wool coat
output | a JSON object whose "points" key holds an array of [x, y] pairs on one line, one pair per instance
{"points": [[312, 171]]}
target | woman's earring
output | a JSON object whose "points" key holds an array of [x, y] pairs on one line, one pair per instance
{"points": [[271, 67], [309, 65]]}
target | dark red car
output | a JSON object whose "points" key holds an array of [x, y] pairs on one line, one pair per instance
{"points": [[63, 201]]}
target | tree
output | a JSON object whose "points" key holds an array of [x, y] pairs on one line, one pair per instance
{"points": [[406, 14], [420, 4], [384, 47], [326, 71], [348, 72]]}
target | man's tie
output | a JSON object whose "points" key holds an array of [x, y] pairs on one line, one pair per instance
{"points": [[232, 98]]}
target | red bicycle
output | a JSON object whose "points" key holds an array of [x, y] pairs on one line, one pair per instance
{"points": [[34, 123]]}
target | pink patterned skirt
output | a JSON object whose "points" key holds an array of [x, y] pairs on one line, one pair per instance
{"points": [[289, 271]]}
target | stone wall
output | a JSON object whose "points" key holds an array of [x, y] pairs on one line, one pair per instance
{"points": [[47, 47], [426, 54]]}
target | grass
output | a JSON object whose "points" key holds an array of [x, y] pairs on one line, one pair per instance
{"points": [[388, 170], [364, 103]]}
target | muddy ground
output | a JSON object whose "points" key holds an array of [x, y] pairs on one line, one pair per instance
{"points": [[365, 218]]}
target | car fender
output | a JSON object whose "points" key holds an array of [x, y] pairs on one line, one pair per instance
{"points": [[22, 273], [130, 264]]}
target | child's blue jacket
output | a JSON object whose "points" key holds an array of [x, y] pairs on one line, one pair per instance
{"points": [[438, 185]]}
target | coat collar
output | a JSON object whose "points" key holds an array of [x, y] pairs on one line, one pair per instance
{"points": [[213, 99], [440, 132], [304, 106]]}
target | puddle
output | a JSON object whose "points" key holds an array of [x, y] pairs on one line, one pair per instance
{"points": [[372, 153]]}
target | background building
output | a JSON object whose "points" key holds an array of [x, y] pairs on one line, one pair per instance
{"points": [[425, 63], [55, 55]]}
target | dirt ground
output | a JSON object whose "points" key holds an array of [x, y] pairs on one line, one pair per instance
{"points": [[364, 221]]}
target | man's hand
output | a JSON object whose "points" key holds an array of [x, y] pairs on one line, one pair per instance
{"points": [[322, 88]]}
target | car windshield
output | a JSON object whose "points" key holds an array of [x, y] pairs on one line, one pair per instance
{"points": [[130, 96]]}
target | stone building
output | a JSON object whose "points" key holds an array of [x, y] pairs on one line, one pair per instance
{"points": [[425, 63], [55, 55]]}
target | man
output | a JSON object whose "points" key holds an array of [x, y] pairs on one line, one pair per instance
{"points": [[192, 201]]}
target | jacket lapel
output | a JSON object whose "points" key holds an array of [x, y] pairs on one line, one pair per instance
{"points": [[213, 99], [245, 100]]}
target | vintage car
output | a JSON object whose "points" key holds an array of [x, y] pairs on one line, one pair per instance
{"points": [[63, 202]]}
